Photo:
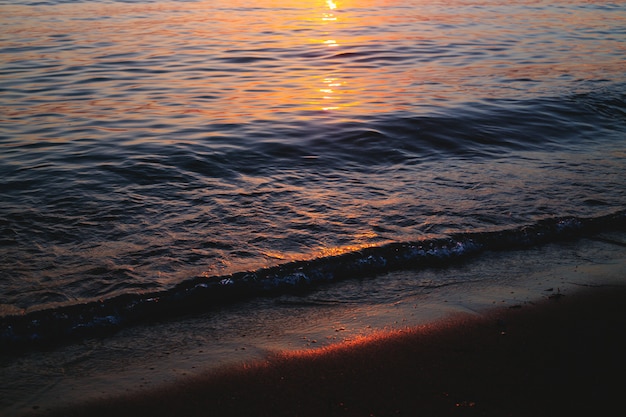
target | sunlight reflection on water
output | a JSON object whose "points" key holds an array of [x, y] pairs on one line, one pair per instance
{"points": [[159, 140]]}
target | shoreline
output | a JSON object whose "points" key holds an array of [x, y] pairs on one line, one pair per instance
{"points": [[167, 354], [555, 356]]}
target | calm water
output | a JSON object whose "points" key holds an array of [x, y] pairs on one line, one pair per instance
{"points": [[148, 146]]}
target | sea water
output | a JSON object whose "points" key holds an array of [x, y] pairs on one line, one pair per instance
{"points": [[148, 143], [165, 157]]}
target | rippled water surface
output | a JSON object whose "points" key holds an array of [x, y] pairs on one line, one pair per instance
{"points": [[148, 142]]}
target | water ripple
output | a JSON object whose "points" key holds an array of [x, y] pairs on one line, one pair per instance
{"points": [[175, 138]]}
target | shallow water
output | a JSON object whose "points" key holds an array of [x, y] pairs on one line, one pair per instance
{"points": [[145, 144], [147, 356]]}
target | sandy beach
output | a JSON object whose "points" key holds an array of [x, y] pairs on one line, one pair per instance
{"points": [[560, 356]]}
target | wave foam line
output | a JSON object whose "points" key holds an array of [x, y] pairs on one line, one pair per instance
{"points": [[98, 318]]}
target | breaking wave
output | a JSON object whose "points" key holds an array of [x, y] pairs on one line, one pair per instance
{"points": [[200, 294]]}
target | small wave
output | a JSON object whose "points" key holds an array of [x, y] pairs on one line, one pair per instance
{"points": [[198, 294], [483, 129]]}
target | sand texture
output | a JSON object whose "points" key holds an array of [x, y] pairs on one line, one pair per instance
{"points": [[563, 356]]}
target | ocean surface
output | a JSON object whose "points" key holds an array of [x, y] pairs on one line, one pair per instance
{"points": [[165, 157]]}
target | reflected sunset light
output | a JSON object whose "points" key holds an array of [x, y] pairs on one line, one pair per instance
{"points": [[247, 64], [331, 6], [147, 143]]}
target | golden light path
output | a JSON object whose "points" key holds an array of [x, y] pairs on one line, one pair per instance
{"points": [[330, 83]]}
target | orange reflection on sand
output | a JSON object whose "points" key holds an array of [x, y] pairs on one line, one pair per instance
{"points": [[355, 341]]}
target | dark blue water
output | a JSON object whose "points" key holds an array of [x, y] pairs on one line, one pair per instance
{"points": [[156, 154]]}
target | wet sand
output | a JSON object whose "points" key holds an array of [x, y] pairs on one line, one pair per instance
{"points": [[561, 356]]}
